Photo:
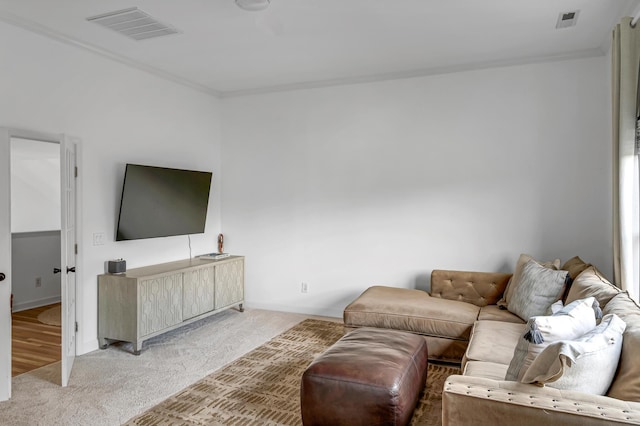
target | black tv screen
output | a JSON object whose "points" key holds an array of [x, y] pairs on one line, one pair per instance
{"points": [[161, 202]]}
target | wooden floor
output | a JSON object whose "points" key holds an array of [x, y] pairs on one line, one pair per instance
{"points": [[34, 344]]}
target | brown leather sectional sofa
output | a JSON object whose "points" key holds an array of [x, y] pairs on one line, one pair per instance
{"points": [[462, 323]]}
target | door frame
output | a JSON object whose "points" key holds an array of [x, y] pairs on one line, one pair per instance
{"points": [[5, 267], [5, 139]]}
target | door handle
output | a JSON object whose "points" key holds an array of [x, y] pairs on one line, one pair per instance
{"points": [[57, 270], [72, 269], [2, 276]]}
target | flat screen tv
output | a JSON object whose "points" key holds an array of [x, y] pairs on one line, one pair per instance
{"points": [[161, 202]]}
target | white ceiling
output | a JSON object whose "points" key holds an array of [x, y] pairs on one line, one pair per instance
{"points": [[304, 43]]}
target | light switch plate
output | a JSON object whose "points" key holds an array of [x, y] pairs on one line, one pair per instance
{"points": [[98, 238]]}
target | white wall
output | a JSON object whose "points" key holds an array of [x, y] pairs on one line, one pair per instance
{"points": [[35, 223], [34, 255], [340, 187], [122, 115], [346, 187], [35, 185]]}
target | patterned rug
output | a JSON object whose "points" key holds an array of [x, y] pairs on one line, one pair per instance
{"points": [[52, 316], [263, 386]]}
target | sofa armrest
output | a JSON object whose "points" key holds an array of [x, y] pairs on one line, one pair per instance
{"points": [[479, 288], [474, 400]]}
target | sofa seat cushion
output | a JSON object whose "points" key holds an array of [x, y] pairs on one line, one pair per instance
{"points": [[411, 310], [494, 341], [488, 370], [494, 313]]}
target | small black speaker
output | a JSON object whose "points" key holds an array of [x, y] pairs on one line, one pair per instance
{"points": [[118, 266]]}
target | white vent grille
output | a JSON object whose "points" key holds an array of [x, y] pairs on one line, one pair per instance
{"points": [[567, 19], [133, 23]]}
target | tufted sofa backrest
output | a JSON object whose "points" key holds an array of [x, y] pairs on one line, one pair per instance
{"points": [[479, 288]]}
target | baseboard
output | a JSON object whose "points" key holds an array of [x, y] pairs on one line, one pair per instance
{"points": [[23, 306], [90, 346], [307, 310]]}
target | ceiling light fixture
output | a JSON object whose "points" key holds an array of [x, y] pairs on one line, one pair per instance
{"points": [[253, 5]]}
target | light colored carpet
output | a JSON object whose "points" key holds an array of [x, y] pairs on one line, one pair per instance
{"points": [[263, 387], [52, 316], [109, 387]]}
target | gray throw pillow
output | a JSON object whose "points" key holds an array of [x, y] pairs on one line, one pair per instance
{"points": [[537, 289], [517, 273]]}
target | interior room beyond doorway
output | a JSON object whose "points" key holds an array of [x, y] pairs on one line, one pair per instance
{"points": [[35, 338], [35, 253]]}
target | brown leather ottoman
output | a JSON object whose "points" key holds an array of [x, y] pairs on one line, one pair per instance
{"points": [[368, 377]]}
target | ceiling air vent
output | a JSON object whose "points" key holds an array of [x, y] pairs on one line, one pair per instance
{"points": [[133, 23], [567, 19]]}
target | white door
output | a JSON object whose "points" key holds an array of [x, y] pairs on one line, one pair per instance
{"points": [[68, 161], [5, 266], [69, 252]]}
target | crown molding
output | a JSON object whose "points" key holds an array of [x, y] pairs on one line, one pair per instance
{"points": [[423, 72], [417, 73]]}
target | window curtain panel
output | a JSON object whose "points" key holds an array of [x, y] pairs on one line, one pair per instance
{"points": [[625, 57]]}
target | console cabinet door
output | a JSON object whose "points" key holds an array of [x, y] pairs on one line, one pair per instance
{"points": [[160, 303], [229, 283], [197, 292]]}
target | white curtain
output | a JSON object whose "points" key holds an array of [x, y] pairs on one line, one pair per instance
{"points": [[625, 57]]}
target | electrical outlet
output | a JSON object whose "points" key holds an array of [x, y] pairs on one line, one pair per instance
{"points": [[304, 288], [38, 282]]}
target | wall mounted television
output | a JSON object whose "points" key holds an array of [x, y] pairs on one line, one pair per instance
{"points": [[162, 202]]}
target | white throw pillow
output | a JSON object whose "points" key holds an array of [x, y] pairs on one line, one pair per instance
{"points": [[586, 364], [570, 322]]}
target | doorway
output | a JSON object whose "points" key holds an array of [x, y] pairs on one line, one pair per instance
{"points": [[36, 336], [67, 149]]}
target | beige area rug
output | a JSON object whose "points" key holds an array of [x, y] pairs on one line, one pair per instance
{"points": [[263, 386], [52, 316]]}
